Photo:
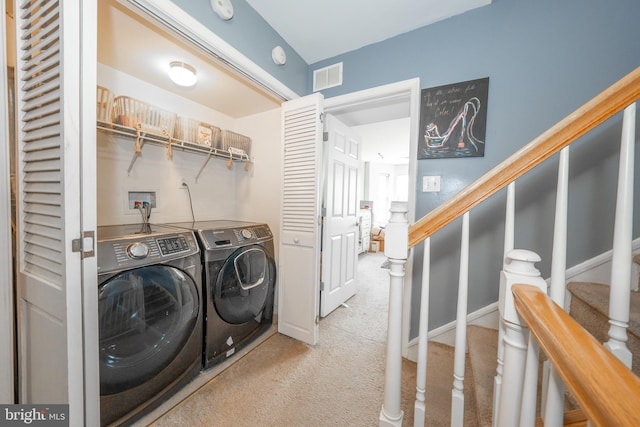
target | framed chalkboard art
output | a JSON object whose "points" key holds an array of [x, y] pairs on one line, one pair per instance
{"points": [[453, 120]]}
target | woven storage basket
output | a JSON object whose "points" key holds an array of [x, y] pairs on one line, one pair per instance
{"points": [[196, 132], [230, 139], [130, 112], [104, 104]]}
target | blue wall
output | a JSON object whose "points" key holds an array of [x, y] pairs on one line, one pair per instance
{"points": [[254, 38], [544, 59]]}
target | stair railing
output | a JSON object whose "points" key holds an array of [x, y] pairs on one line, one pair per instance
{"points": [[605, 388], [620, 95]]}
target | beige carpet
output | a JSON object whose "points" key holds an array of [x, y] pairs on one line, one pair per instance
{"points": [[590, 307], [338, 382]]}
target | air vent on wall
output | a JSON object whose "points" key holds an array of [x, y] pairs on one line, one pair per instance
{"points": [[327, 77]]}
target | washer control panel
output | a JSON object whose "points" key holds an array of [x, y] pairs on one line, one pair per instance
{"points": [[173, 245], [138, 250], [141, 250]]}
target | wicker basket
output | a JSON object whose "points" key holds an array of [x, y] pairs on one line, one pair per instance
{"points": [[230, 139], [131, 112], [104, 104], [196, 132]]}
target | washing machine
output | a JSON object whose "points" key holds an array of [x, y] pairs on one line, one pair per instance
{"points": [[239, 283], [151, 315]]}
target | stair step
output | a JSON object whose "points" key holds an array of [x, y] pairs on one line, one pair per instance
{"points": [[439, 386], [590, 308], [483, 352], [572, 418]]}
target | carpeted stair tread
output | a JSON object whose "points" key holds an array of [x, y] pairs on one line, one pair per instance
{"points": [[440, 361], [483, 351], [590, 308], [596, 295]]}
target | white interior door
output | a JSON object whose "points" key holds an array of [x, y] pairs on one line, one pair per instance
{"points": [[57, 275], [299, 263], [340, 207]]}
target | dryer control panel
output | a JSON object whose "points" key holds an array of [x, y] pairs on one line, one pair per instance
{"points": [[234, 237]]}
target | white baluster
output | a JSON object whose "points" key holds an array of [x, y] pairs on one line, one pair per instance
{"points": [[457, 394], [623, 228], [518, 268], [421, 375], [396, 249], [509, 238], [530, 386], [553, 394]]}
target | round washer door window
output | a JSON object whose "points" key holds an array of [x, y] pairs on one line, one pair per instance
{"points": [[146, 316], [244, 284]]}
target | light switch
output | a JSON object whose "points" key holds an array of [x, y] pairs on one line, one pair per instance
{"points": [[430, 184]]}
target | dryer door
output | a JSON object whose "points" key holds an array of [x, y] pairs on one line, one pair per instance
{"points": [[244, 284], [146, 316]]}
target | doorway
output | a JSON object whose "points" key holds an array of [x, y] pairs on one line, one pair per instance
{"points": [[385, 117]]}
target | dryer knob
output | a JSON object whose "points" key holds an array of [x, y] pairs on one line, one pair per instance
{"points": [[137, 250], [246, 233]]}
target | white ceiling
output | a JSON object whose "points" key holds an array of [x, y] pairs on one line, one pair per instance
{"points": [[323, 29], [129, 43]]}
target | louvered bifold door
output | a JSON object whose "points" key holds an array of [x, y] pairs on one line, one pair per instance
{"points": [[299, 262], [51, 88]]}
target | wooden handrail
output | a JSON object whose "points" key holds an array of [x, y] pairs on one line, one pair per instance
{"points": [[609, 102], [605, 388]]}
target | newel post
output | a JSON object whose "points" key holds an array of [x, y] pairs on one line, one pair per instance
{"points": [[518, 268], [396, 244]]}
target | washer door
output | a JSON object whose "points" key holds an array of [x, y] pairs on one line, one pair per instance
{"points": [[146, 316], [244, 284]]}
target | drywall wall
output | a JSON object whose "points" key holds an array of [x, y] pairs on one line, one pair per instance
{"points": [[214, 194], [259, 190], [544, 59]]}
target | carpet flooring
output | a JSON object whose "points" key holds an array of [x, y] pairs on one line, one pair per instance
{"points": [[338, 382]]}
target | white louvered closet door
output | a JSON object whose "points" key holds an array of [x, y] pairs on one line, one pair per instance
{"points": [[57, 284], [299, 262]]}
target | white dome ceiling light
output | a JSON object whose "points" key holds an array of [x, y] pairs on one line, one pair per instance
{"points": [[182, 74]]}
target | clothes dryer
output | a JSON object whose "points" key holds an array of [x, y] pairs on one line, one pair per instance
{"points": [[150, 317], [239, 281]]}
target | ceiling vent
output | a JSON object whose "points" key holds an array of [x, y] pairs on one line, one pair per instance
{"points": [[327, 77]]}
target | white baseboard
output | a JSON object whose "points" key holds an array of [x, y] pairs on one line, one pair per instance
{"points": [[596, 269]]}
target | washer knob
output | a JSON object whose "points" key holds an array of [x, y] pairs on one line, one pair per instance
{"points": [[137, 250], [246, 233]]}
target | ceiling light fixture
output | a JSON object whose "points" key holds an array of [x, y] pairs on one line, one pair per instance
{"points": [[182, 74]]}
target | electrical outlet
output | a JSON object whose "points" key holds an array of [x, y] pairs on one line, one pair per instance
{"points": [[430, 184]]}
